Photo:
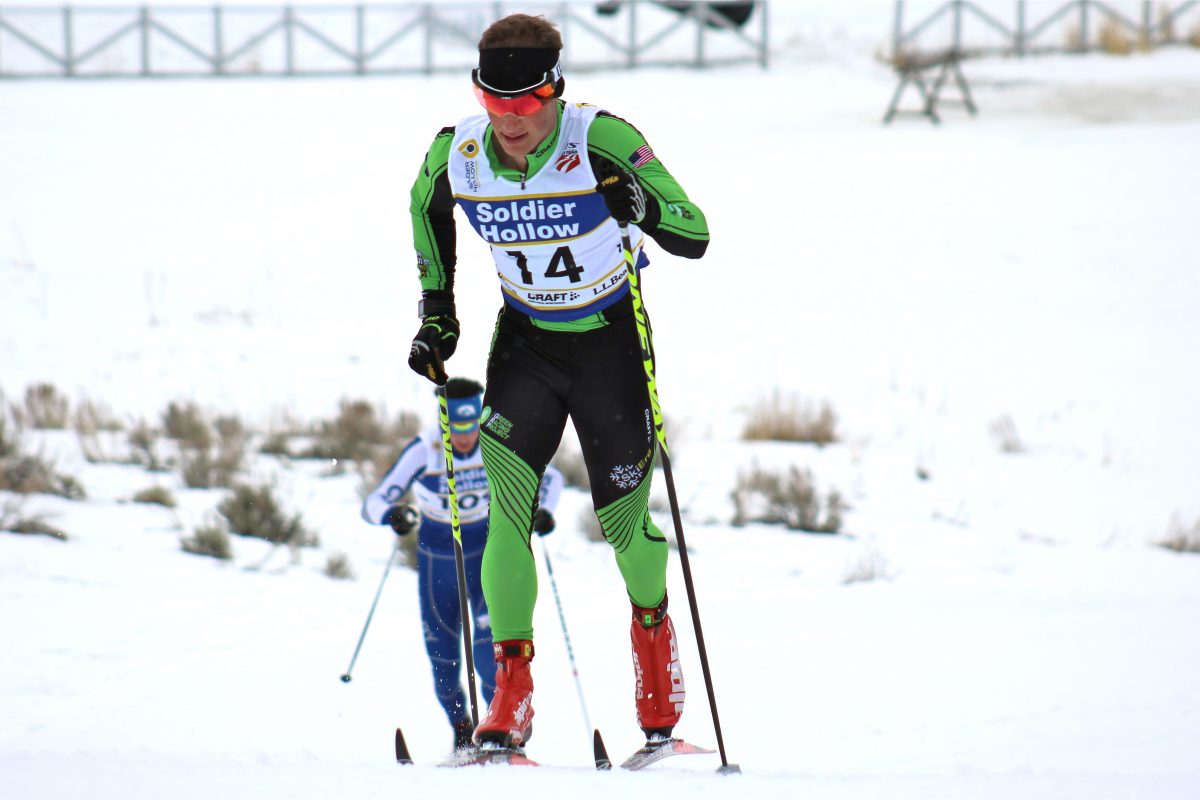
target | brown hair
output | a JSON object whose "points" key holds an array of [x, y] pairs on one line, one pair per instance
{"points": [[521, 30]]}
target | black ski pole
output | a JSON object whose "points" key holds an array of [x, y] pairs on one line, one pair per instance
{"points": [[643, 329], [459, 560], [375, 602]]}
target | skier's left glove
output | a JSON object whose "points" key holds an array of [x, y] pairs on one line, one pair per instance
{"points": [[624, 196], [543, 522]]}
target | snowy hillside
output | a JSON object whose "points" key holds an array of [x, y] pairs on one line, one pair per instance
{"points": [[1000, 311]]}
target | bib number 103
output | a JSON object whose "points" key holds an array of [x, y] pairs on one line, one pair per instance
{"points": [[562, 265]]}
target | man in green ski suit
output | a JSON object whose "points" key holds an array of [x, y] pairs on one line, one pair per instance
{"points": [[548, 185]]}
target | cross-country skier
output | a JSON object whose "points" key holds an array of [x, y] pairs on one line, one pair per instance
{"points": [[546, 183], [422, 467]]}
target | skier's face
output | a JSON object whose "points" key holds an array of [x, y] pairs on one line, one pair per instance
{"points": [[464, 442], [518, 136]]}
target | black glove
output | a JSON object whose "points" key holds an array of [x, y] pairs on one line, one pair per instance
{"points": [[402, 519], [622, 193], [435, 342], [543, 522]]}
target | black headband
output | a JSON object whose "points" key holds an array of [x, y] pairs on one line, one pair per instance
{"points": [[516, 69]]}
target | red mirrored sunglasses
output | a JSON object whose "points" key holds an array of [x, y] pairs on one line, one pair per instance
{"points": [[522, 102], [522, 106]]}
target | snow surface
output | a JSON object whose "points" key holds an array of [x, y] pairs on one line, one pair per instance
{"points": [[246, 244]]}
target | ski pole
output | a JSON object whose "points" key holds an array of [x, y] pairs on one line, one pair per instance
{"points": [[566, 636], [643, 329], [459, 559], [375, 602]]}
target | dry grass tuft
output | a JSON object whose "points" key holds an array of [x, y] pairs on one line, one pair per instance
{"points": [[210, 540], [45, 408], [337, 567], [156, 495], [13, 520], [254, 511], [790, 419], [1115, 38], [788, 499], [1181, 538]]}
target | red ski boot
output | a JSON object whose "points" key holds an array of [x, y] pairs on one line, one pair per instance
{"points": [[660, 693], [509, 721]]}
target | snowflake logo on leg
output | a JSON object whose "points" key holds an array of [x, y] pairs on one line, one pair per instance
{"points": [[626, 476]]}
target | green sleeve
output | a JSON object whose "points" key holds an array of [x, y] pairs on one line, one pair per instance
{"points": [[432, 208], [675, 222]]}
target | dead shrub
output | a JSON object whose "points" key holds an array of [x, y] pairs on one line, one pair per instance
{"points": [[91, 418], [1115, 38], [13, 520], [589, 523], [185, 423], [45, 408], [215, 464], [1004, 433], [254, 511], [143, 441], [359, 431], [35, 474], [156, 495], [569, 462], [210, 540], [277, 444], [790, 419], [788, 499], [1181, 538], [866, 565], [337, 567]]}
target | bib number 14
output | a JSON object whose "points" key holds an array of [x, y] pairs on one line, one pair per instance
{"points": [[562, 265]]}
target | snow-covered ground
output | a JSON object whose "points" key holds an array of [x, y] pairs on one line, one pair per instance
{"points": [[246, 244]]}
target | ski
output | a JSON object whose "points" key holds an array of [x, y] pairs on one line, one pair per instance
{"points": [[600, 751], [483, 755], [402, 756], [656, 749]]}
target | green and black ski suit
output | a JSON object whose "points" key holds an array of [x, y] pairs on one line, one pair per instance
{"points": [[565, 342]]}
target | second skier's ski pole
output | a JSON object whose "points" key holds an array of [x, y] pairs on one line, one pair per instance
{"points": [[566, 636], [375, 602]]}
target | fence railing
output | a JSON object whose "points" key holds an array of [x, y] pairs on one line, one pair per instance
{"points": [[1073, 26], [309, 40]]}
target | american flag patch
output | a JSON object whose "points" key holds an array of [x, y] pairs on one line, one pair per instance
{"points": [[641, 157]]}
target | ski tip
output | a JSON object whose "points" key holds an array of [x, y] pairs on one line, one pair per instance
{"points": [[729, 769], [601, 753], [402, 756]]}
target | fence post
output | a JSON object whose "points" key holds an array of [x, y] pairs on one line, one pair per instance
{"points": [[898, 29], [68, 41], [289, 41], [1084, 38], [1020, 42], [218, 42], [764, 49], [958, 26], [144, 25], [360, 39], [428, 14], [1147, 25], [700, 16], [632, 58]]}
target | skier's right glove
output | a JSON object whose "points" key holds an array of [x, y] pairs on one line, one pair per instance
{"points": [[436, 339], [402, 519]]}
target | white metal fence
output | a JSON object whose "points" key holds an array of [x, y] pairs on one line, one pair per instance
{"points": [[1021, 27], [148, 41]]}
